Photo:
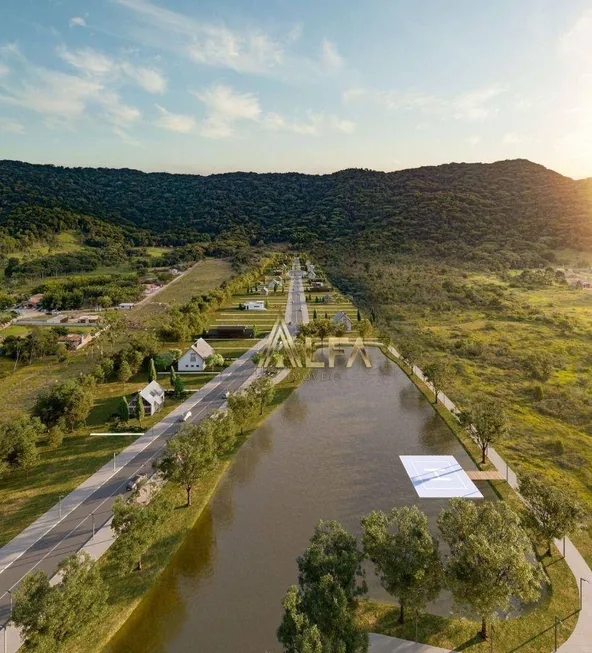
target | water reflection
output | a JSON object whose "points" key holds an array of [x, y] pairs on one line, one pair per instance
{"points": [[331, 451]]}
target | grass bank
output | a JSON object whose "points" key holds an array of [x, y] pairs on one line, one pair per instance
{"points": [[126, 592]]}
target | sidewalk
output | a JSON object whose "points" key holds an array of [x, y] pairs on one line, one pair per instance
{"points": [[384, 644]]}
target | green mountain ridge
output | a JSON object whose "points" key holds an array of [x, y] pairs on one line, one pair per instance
{"points": [[510, 205]]}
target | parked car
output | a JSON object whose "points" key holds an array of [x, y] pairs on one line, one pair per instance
{"points": [[135, 482]]}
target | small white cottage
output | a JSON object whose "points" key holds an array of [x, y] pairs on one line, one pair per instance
{"points": [[194, 359], [152, 397]]}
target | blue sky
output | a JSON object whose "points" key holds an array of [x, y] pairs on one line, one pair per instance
{"points": [[279, 85]]}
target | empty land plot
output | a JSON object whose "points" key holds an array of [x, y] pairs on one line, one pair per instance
{"points": [[199, 280]]}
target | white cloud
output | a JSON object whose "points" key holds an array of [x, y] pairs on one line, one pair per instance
{"points": [[578, 40], [331, 57], [224, 108], [8, 126], [471, 105], [63, 99], [125, 137], [149, 79], [175, 122], [77, 21], [88, 61], [4, 70], [475, 105], [511, 138], [246, 50], [473, 140], [51, 92], [352, 94], [117, 111], [313, 124], [346, 126], [97, 65]]}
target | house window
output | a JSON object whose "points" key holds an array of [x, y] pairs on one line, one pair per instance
{"points": [[193, 358]]}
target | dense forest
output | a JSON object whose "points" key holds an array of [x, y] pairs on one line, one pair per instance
{"points": [[499, 214]]}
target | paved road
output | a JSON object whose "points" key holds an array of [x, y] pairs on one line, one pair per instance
{"points": [[72, 532], [297, 310]]}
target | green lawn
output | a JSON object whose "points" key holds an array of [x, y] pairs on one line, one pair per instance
{"points": [[203, 277]]}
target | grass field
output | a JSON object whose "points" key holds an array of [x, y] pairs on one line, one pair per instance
{"points": [[493, 333], [65, 242], [200, 279]]}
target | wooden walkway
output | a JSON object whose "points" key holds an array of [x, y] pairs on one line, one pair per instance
{"points": [[476, 475]]}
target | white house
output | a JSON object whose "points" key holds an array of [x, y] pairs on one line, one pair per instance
{"points": [[194, 359], [255, 306], [126, 306], [342, 318], [153, 397]]}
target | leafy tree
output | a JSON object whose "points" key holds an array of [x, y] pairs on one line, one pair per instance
{"points": [[540, 366], [333, 551], [215, 360], [314, 313], [296, 632], [124, 373], [410, 351], [140, 410], [136, 525], [359, 317], [437, 373], [364, 328], [123, 409], [242, 406], [50, 615], [179, 386], [68, 403], [56, 435], [329, 582], [18, 439], [152, 375], [490, 558], [487, 423], [262, 392], [552, 512], [188, 457], [405, 556]]}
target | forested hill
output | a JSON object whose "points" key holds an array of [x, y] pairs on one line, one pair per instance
{"points": [[453, 207]]}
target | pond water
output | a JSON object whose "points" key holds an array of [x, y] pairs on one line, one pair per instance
{"points": [[331, 451]]}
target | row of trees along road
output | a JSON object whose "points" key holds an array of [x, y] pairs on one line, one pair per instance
{"points": [[50, 615], [490, 561]]}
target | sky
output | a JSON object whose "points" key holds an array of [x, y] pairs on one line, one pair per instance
{"points": [[311, 86]]}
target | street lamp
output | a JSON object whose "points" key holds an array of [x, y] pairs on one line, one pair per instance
{"points": [[582, 581], [60, 500]]}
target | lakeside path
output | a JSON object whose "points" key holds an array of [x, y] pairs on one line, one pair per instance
{"points": [[65, 529]]}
